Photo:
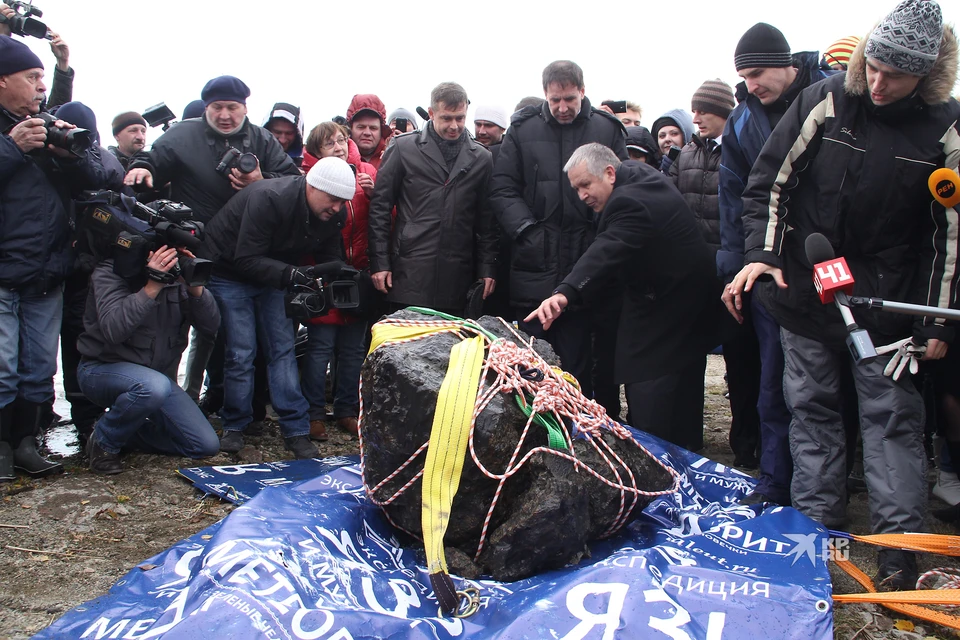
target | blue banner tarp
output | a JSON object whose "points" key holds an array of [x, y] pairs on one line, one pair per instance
{"points": [[315, 560]]}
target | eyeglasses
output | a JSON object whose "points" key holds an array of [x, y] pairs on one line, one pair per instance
{"points": [[340, 141]]}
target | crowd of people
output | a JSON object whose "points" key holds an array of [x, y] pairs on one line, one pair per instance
{"points": [[634, 252]]}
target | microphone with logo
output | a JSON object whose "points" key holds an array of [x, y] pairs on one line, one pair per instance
{"points": [[834, 283], [945, 187]]}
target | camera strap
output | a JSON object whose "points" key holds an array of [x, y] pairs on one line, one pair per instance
{"points": [[163, 277]]}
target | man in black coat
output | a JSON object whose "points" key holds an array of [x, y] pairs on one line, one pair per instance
{"points": [[37, 182], [443, 239], [187, 157], [671, 312], [549, 228], [188, 154], [256, 242]]}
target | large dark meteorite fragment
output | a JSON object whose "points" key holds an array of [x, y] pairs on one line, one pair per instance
{"points": [[545, 513]]}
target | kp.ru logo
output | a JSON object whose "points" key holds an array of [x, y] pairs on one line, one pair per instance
{"points": [[806, 545]]}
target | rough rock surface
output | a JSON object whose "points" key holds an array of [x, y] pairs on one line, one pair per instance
{"points": [[546, 513]]}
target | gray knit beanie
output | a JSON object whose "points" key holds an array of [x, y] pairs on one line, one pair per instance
{"points": [[909, 38]]}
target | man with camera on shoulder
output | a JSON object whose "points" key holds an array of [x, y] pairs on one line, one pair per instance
{"points": [[255, 242], [134, 333], [37, 181]]}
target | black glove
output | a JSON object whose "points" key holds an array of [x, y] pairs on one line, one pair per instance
{"points": [[332, 268], [302, 277]]}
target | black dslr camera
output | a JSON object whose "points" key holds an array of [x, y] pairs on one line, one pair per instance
{"points": [[76, 141], [24, 23], [335, 287], [116, 226], [235, 159]]}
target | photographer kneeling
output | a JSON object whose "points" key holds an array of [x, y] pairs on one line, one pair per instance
{"points": [[135, 332], [253, 240]]}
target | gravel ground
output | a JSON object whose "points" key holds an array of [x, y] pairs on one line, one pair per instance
{"points": [[67, 539]]}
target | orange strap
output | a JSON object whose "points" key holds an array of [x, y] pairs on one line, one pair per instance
{"points": [[897, 601]]}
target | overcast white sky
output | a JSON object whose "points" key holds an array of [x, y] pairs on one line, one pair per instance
{"points": [[130, 54]]}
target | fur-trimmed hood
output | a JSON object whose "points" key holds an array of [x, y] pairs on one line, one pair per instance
{"points": [[935, 88]]}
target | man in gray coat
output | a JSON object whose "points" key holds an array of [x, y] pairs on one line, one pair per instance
{"points": [[444, 237]]}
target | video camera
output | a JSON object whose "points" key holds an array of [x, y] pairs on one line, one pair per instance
{"points": [[335, 287], [24, 23], [116, 226], [76, 140]]}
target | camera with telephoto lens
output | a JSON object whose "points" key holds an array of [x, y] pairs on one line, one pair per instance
{"points": [[235, 159], [335, 287], [116, 226], [76, 140], [24, 23]]}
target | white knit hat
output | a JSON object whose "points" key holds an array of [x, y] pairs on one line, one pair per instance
{"points": [[334, 176], [496, 115]]}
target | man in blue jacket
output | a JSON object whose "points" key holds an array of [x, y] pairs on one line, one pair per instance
{"points": [[37, 181], [772, 80]]}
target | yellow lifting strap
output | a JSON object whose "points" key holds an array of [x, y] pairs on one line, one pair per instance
{"points": [[445, 456], [384, 333]]}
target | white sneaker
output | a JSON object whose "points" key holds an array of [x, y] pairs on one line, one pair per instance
{"points": [[947, 487]]}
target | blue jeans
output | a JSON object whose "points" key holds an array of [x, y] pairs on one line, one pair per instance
{"points": [[248, 312], [347, 340], [776, 465], [29, 338], [133, 393]]}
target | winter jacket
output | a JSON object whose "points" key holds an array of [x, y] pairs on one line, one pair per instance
{"points": [[648, 237], [747, 129], [857, 173], [370, 102], [696, 174], [123, 324], [674, 118], [354, 231], [187, 155], [36, 189], [642, 139], [288, 113], [444, 237], [263, 231], [537, 208], [61, 90]]}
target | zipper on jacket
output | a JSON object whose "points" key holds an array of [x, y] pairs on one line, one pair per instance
{"points": [[351, 221]]}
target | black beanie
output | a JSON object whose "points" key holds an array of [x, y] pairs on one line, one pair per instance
{"points": [[763, 45]]}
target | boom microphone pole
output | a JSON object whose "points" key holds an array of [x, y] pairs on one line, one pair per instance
{"points": [[834, 282]]}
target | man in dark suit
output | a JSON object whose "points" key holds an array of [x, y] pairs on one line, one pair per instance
{"points": [[443, 239], [671, 312]]}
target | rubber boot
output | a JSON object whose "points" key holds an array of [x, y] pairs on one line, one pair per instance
{"points": [[6, 453], [31, 417]]}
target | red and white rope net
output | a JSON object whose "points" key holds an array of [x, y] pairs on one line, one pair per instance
{"points": [[551, 395]]}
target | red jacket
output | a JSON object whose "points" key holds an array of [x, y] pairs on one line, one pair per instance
{"points": [[354, 226], [370, 102]]}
